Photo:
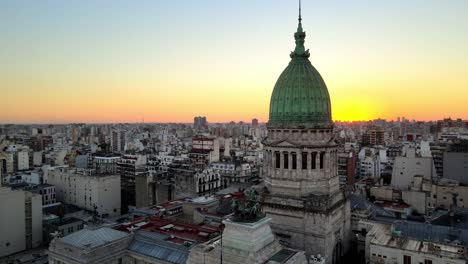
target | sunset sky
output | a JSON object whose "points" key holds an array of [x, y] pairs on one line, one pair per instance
{"points": [[168, 61]]}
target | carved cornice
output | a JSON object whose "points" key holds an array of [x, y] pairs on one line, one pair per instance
{"points": [[312, 203], [276, 143]]}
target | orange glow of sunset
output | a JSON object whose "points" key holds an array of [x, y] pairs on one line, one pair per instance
{"points": [[166, 63]]}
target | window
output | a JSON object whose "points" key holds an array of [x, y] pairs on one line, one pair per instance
{"points": [[427, 261], [314, 158], [406, 259], [277, 160], [294, 160], [322, 159], [286, 160], [304, 160]]}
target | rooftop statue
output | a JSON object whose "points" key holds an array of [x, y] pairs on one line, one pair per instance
{"points": [[248, 210]]}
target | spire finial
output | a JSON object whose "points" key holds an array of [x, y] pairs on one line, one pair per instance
{"points": [[299, 26], [300, 18], [300, 51]]}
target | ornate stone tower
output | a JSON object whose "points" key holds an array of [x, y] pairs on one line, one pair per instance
{"points": [[302, 195]]}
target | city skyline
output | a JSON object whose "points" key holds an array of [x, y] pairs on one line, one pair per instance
{"points": [[167, 62]]}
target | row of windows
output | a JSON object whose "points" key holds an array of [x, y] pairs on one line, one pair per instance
{"points": [[204, 180], [406, 259], [45, 191], [304, 158]]}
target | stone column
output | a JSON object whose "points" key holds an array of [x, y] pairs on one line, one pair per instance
{"points": [[317, 160], [273, 160], [267, 158], [326, 159], [299, 160]]}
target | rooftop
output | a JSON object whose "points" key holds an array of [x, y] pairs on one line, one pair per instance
{"points": [[460, 220], [412, 238], [429, 232], [204, 200], [92, 238], [359, 202], [67, 221], [178, 231], [282, 256], [159, 246]]}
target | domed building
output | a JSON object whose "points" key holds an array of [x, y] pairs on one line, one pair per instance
{"points": [[302, 194]]}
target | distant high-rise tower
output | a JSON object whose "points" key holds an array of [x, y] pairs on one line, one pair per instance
{"points": [[118, 141], [254, 122], [302, 193], [200, 122]]}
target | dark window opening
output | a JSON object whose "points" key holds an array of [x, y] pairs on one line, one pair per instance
{"points": [[294, 160], [322, 160], [286, 161], [406, 259], [314, 159], [304, 160], [278, 161]]}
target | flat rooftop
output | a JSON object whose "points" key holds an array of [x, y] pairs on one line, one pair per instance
{"points": [[178, 231]]}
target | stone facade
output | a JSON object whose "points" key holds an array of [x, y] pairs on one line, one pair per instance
{"points": [[106, 248], [246, 243], [20, 222], [86, 189], [303, 197]]}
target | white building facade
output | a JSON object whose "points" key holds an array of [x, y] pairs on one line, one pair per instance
{"points": [[20, 221], [85, 189]]}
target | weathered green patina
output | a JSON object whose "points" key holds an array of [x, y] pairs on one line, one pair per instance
{"points": [[300, 97]]}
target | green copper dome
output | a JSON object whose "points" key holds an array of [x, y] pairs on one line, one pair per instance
{"points": [[300, 97]]}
